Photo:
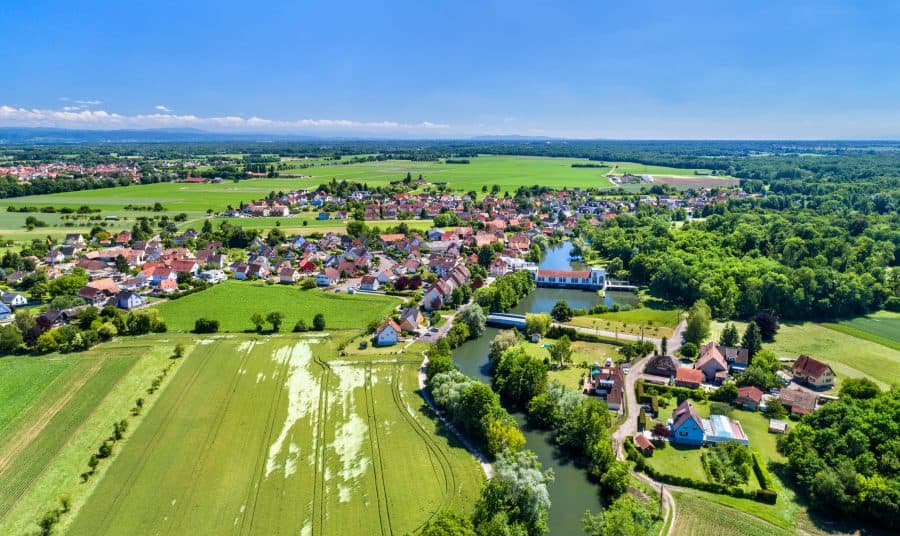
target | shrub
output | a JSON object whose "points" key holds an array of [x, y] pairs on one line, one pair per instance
{"points": [[300, 326], [205, 325], [319, 322]]}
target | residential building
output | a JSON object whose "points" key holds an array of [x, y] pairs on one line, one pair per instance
{"points": [[13, 299], [688, 377], [712, 363], [813, 372], [387, 334], [688, 428], [749, 398], [369, 282]]}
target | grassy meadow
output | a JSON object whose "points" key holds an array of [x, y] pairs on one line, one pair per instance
{"points": [[698, 515], [232, 303], [274, 435], [56, 410], [656, 322]]}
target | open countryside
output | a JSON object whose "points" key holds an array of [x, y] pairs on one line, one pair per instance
{"points": [[284, 438], [507, 269]]}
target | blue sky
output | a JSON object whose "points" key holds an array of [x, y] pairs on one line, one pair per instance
{"points": [[626, 69]]}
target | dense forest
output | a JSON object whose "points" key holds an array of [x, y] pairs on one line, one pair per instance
{"points": [[845, 457]]}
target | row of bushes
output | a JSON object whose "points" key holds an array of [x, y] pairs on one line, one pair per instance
{"points": [[762, 495], [680, 393], [557, 332], [762, 474]]}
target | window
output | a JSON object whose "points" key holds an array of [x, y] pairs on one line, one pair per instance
{"points": [[682, 434]]}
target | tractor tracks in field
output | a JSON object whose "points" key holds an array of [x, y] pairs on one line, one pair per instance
{"points": [[384, 511], [259, 475], [146, 452], [212, 434], [318, 515], [440, 461]]}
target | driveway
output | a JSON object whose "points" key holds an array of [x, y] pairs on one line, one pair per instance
{"points": [[434, 336]]}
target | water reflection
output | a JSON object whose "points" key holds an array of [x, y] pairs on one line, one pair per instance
{"points": [[571, 493]]}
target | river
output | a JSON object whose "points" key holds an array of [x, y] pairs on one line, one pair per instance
{"points": [[571, 493]]}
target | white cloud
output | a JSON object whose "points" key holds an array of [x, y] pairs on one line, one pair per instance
{"points": [[81, 117], [82, 102]]}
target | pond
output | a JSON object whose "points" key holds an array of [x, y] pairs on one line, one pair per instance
{"points": [[571, 493]]}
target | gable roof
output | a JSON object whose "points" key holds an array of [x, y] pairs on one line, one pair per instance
{"points": [[751, 393], [710, 353], [684, 413], [388, 323], [810, 366], [689, 375]]}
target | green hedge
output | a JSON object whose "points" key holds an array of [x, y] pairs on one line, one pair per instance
{"points": [[640, 464], [680, 393], [762, 474]]}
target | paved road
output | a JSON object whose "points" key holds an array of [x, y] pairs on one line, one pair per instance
{"points": [[434, 336], [628, 428]]}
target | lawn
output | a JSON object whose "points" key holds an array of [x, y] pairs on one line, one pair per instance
{"points": [[686, 462], [656, 322], [279, 439], [232, 303], [77, 399], [634, 168], [582, 352]]}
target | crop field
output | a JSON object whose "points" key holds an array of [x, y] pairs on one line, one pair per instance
{"points": [[656, 322], [232, 303], [634, 168], [267, 435], [698, 517], [56, 410], [508, 172], [882, 328]]}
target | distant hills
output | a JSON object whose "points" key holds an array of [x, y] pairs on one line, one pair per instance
{"points": [[63, 136]]}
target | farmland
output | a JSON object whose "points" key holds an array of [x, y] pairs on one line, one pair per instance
{"points": [[232, 303], [882, 328], [849, 356], [697, 516], [273, 435], [67, 406]]}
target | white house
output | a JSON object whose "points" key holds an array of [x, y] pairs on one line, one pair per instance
{"points": [[328, 277], [387, 334], [13, 299], [213, 276], [129, 300], [369, 282]]}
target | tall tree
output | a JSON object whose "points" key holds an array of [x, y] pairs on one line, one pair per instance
{"points": [[730, 335], [699, 319], [752, 340]]}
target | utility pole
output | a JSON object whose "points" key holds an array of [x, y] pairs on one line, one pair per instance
{"points": [[662, 489]]}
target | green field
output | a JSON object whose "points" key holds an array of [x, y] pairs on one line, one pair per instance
{"points": [[849, 356], [56, 410], [698, 516], [882, 328], [232, 303], [656, 322], [634, 168], [266, 435]]}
